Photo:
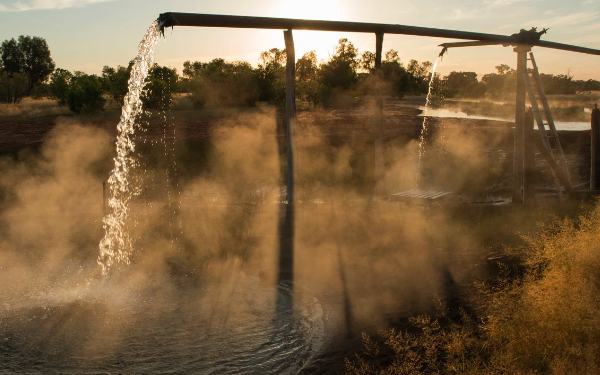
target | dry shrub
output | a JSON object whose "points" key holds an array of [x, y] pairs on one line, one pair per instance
{"points": [[429, 346], [30, 108], [543, 320], [550, 320]]}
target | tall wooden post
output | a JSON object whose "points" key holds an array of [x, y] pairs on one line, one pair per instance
{"points": [[595, 151], [378, 108], [286, 219], [519, 142], [290, 110], [529, 183]]}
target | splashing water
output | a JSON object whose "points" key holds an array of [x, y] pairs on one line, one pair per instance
{"points": [[424, 128], [116, 246]]}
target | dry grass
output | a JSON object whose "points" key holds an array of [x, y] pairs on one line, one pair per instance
{"points": [[545, 319], [31, 108]]}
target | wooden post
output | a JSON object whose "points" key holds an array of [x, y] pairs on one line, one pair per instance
{"points": [[290, 110], [378, 108], [286, 219], [529, 183], [519, 142], [595, 150]]}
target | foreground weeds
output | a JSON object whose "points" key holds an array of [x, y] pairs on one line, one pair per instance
{"points": [[543, 319]]}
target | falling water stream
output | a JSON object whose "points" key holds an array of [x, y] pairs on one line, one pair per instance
{"points": [[116, 246], [424, 129]]}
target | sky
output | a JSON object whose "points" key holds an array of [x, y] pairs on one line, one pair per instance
{"points": [[86, 35]]}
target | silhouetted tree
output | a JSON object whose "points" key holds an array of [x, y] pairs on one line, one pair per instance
{"points": [[587, 86], [501, 83], [401, 82], [271, 75], [160, 86], [367, 62], [29, 56], [58, 88], [221, 83], [464, 84], [115, 81], [85, 94], [13, 87], [558, 84], [307, 84], [306, 67], [340, 71], [421, 73]]}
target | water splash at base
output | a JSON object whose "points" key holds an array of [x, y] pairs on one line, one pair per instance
{"points": [[116, 246]]}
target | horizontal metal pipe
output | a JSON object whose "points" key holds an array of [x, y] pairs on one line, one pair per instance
{"points": [[568, 47], [469, 44], [215, 20], [171, 19], [541, 43]]}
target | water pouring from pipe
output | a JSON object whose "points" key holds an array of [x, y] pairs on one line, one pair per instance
{"points": [[424, 128], [116, 247]]}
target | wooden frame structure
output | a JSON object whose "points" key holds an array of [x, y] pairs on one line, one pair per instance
{"points": [[522, 41]]}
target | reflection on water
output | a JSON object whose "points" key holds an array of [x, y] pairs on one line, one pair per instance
{"points": [[455, 113], [113, 327]]}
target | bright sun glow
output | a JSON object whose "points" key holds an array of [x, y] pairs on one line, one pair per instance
{"points": [[321, 42], [310, 9]]}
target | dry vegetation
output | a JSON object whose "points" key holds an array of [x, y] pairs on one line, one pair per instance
{"points": [[32, 108], [540, 316]]}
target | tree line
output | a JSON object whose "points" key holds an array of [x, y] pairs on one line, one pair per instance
{"points": [[27, 69], [504, 83]]}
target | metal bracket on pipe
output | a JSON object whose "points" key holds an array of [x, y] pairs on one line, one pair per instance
{"points": [[524, 37]]}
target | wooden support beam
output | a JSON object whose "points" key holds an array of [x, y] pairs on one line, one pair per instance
{"points": [[519, 142], [378, 108], [378, 51], [290, 110], [529, 183], [550, 160], [595, 150]]}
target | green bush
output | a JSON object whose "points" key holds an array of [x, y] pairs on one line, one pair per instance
{"points": [[58, 88], [13, 87], [115, 81], [220, 83], [27, 58], [85, 94], [160, 86], [271, 76]]}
